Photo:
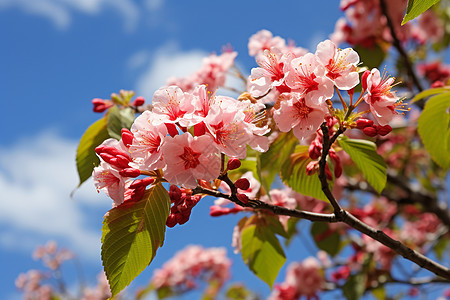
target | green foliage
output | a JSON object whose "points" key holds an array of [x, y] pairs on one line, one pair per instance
{"points": [[429, 92], [237, 292], [325, 238], [371, 57], [86, 158], [364, 155], [132, 232], [433, 127], [355, 286], [118, 119], [261, 249], [293, 174], [417, 7], [278, 153]]}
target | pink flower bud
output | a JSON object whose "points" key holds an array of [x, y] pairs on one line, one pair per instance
{"points": [[122, 161], [142, 182], [98, 101], [100, 149], [314, 150], [171, 221], [130, 172], [127, 137], [139, 101], [437, 84], [174, 193], [242, 197], [370, 131], [100, 108], [364, 79], [233, 163], [242, 183], [217, 211], [383, 130], [363, 123], [106, 157]]}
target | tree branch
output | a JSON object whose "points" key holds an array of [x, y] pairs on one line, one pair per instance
{"points": [[377, 235], [397, 44]]}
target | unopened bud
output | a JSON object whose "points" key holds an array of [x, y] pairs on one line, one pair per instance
{"points": [[122, 161], [127, 137], [130, 172], [314, 150], [383, 130], [199, 129], [100, 108], [363, 123], [233, 163], [174, 193], [106, 157], [139, 101], [370, 131], [364, 79], [242, 183], [242, 197], [171, 221], [437, 84], [138, 193], [142, 182]]}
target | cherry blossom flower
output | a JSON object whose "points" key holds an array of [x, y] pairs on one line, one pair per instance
{"points": [[270, 74], [307, 76], [229, 131], [108, 180], [302, 279], [264, 40], [145, 150], [381, 99], [214, 70], [170, 104], [191, 264], [340, 64], [301, 115], [190, 158]]}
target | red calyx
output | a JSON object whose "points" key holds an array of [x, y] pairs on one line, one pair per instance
{"points": [[139, 101], [242, 183], [383, 130], [370, 131], [233, 163]]}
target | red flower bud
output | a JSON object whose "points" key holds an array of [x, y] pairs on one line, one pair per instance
{"points": [[142, 182], [314, 150], [363, 123], [364, 79], [139, 101], [171, 221], [370, 131], [437, 84], [174, 193], [172, 129], [242, 184], [233, 163], [199, 129], [383, 130], [106, 157], [242, 197], [127, 137], [130, 172], [122, 161], [100, 108]]}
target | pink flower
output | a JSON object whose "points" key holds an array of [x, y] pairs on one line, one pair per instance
{"points": [[253, 115], [170, 104], [229, 131], [340, 64], [270, 74], [214, 70], [307, 77], [190, 158], [301, 115], [110, 182], [145, 150], [264, 40], [381, 99]]}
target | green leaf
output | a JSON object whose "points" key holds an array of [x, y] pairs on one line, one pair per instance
{"points": [[417, 7], [237, 291], [118, 119], [355, 286], [379, 292], [364, 155], [433, 127], [86, 158], [262, 252], [132, 232], [371, 57], [279, 152], [326, 239], [293, 174], [429, 92]]}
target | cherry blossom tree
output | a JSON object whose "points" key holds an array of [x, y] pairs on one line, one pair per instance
{"points": [[323, 136]]}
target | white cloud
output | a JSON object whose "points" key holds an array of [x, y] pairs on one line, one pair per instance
{"points": [[167, 61], [36, 177], [60, 11]]}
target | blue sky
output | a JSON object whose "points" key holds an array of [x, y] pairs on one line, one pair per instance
{"points": [[58, 55]]}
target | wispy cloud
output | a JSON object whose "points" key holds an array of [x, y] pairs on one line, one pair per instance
{"points": [[164, 63], [60, 11], [36, 177]]}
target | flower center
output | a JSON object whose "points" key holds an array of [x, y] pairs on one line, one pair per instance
{"points": [[190, 158]]}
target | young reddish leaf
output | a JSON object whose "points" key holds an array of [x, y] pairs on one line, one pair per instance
{"points": [[132, 232]]}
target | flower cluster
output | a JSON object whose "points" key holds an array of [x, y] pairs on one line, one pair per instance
{"points": [[182, 138], [190, 265], [302, 279]]}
